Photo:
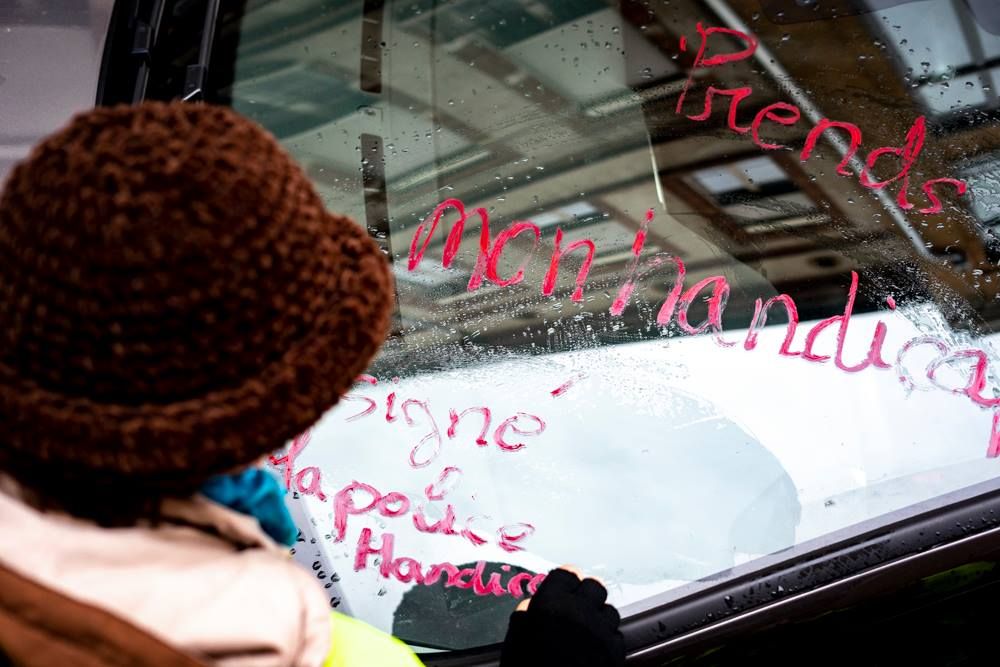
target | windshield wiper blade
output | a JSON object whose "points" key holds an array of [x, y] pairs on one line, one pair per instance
{"points": [[196, 74], [128, 51]]}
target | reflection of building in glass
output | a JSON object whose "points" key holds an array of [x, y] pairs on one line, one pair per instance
{"points": [[983, 176], [950, 59], [564, 114], [758, 195]]}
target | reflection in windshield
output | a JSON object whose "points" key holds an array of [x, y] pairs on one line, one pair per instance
{"points": [[679, 284]]}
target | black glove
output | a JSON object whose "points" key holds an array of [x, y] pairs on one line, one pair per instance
{"points": [[567, 624]]}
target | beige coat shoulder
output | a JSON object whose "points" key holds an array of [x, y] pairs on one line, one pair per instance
{"points": [[206, 580]]}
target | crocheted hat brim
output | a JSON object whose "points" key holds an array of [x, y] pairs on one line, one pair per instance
{"points": [[177, 445]]}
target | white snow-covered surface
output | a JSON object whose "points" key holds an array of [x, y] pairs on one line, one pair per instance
{"points": [[664, 462]]}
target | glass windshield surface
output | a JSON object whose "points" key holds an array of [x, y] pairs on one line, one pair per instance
{"points": [[680, 284]]}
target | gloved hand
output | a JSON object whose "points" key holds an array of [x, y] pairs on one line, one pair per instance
{"points": [[566, 623]]}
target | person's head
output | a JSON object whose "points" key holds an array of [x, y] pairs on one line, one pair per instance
{"points": [[175, 302]]}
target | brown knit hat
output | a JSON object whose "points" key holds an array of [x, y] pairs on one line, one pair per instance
{"points": [[175, 301]]}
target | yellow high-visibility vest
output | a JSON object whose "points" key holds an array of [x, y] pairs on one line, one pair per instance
{"points": [[354, 643]]}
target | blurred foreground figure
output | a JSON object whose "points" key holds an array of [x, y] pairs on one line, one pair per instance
{"points": [[175, 304]]}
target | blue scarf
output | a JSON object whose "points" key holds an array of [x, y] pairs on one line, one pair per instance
{"points": [[257, 493]]}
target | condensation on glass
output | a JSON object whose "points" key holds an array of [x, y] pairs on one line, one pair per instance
{"points": [[679, 285]]}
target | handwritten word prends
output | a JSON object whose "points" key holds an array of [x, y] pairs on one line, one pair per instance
{"points": [[783, 113]]}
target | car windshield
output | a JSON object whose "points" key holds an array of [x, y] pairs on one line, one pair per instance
{"points": [[680, 284]]}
